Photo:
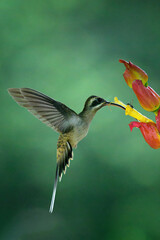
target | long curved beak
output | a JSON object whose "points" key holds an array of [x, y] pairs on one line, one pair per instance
{"points": [[114, 104]]}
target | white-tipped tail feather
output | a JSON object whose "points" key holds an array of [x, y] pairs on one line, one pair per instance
{"points": [[54, 190]]}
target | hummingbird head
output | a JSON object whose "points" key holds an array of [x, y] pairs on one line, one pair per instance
{"points": [[94, 103]]}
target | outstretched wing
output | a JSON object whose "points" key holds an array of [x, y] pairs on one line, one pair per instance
{"points": [[55, 114], [64, 155]]}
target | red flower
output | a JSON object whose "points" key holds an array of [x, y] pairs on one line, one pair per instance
{"points": [[147, 97], [133, 72], [149, 132], [158, 120]]}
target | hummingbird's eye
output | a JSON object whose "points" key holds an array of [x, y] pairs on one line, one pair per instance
{"points": [[99, 100], [96, 102]]}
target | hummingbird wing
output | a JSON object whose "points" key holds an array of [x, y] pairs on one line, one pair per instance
{"points": [[64, 155], [55, 114]]}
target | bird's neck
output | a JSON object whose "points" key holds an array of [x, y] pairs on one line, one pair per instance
{"points": [[87, 115]]}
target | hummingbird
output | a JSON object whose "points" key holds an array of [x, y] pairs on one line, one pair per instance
{"points": [[72, 127]]}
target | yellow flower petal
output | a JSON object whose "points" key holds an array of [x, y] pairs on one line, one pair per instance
{"points": [[119, 102], [133, 112], [137, 115]]}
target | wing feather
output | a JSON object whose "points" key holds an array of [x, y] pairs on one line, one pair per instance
{"points": [[55, 114]]}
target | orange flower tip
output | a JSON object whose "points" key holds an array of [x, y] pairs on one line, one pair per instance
{"points": [[147, 97], [127, 64], [133, 72]]}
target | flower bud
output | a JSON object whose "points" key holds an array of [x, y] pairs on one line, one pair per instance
{"points": [[158, 120], [147, 97], [133, 72]]}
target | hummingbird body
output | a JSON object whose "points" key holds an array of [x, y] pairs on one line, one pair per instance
{"points": [[78, 132], [72, 127]]}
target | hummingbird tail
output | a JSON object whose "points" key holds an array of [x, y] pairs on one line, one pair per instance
{"points": [[64, 154], [54, 190]]}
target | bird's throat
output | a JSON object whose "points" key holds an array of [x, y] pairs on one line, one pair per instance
{"points": [[87, 115]]}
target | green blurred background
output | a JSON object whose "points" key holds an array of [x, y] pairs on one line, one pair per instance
{"points": [[69, 50]]}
